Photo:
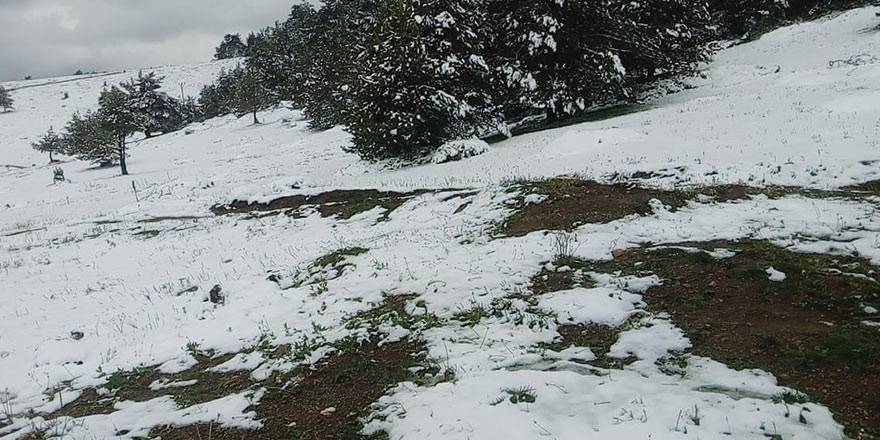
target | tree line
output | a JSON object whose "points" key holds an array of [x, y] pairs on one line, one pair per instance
{"points": [[406, 76], [135, 106]]}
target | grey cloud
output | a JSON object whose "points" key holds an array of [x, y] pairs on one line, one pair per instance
{"points": [[57, 37]]}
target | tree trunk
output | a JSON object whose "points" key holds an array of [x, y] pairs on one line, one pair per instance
{"points": [[122, 163], [51, 160], [256, 121]]}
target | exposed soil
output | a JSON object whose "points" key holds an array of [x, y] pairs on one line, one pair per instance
{"points": [[806, 330], [867, 187], [573, 202], [342, 204], [135, 386], [326, 402], [598, 338]]}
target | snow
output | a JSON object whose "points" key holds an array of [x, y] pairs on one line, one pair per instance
{"points": [[775, 275], [116, 257]]}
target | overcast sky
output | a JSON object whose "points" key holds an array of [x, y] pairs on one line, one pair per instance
{"points": [[56, 37]]}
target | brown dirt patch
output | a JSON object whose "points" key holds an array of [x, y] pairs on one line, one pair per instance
{"points": [[573, 202], [342, 204], [135, 386], [299, 407], [806, 330], [598, 338], [867, 187]]}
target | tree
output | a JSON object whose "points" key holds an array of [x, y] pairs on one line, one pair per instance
{"points": [[156, 110], [420, 80], [219, 98], [551, 56], [659, 37], [120, 120], [230, 47], [250, 95], [277, 60], [340, 32], [6, 101], [564, 56], [50, 143], [86, 138]]}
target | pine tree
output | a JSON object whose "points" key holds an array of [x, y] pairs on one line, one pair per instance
{"points": [[6, 101], [276, 60], [120, 120], [230, 47], [156, 111], [340, 33], [219, 98], [419, 86], [659, 37], [551, 55], [564, 56], [87, 138], [250, 95], [742, 18], [50, 143]]}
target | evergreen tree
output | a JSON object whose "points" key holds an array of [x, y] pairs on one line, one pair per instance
{"points": [[87, 138], [552, 55], [277, 62], [50, 143], [659, 37], [563, 56], [340, 33], [250, 95], [420, 83], [6, 101], [742, 18], [219, 98], [119, 119], [230, 47], [156, 111]]}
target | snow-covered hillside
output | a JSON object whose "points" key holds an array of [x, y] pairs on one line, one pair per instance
{"points": [[106, 273], [40, 103]]}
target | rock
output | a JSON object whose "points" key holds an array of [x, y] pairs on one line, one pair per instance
{"points": [[77, 335], [216, 295], [328, 411], [188, 290]]}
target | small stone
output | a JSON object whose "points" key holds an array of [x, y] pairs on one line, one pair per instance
{"points": [[328, 411], [216, 295], [77, 335]]}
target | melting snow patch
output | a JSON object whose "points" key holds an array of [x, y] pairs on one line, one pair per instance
{"points": [[775, 275], [458, 150]]}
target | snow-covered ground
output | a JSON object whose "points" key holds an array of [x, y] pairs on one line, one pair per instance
{"points": [[781, 110]]}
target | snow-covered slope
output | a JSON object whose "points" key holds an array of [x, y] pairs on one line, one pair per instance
{"points": [[40, 103], [107, 257]]}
